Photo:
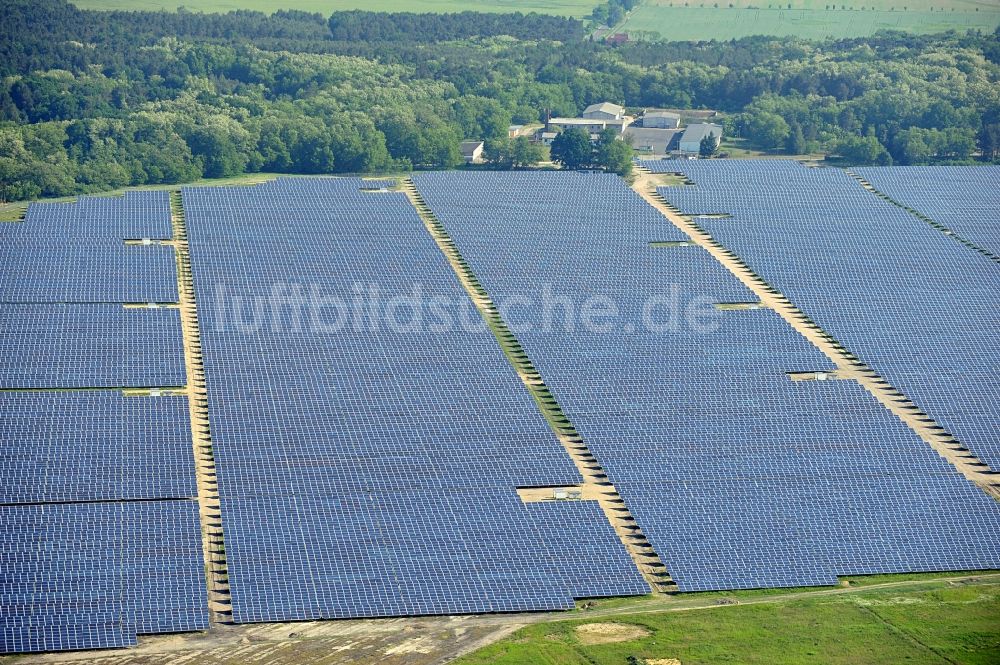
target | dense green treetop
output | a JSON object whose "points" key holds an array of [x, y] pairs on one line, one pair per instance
{"points": [[97, 100]]}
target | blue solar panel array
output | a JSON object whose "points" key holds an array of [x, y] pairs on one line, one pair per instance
{"points": [[965, 200], [915, 305], [89, 346], [75, 252], [85, 271], [94, 575], [134, 216], [85, 563], [93, 446], [738, 476], [568, 528], [368, 468]]}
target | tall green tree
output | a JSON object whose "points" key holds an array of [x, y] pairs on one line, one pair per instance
{"points": [[922, 146], [515, 153], [613, 153], [768, 130], [989, 140], [482, 118], [497, 153], [863, 150], [707, 146], [795, 143], [524, 153], [572, 149]]}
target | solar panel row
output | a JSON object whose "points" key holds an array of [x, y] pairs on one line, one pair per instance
{"points": [[738, 476], [965, 200], [93, 575], [62, 270], [75, 252], [367, 462], [89, 346], [913, 304], [93, 446], [134, 216], [84, 564], [86, 271], [568, 527], [369, 434]]}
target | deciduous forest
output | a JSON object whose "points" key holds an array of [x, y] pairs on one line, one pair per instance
{"points": [[91, 101]]}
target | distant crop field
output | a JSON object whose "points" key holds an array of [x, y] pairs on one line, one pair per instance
{"points": [[815, 19], [577, 8]]}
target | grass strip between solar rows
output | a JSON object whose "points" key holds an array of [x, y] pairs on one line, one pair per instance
{"points": [[849, 366], [597, 486], [210, 510], [922, 217]]}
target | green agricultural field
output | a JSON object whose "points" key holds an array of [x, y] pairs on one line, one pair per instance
{"points": [[731, 19], [578, 8], [936, 622]]}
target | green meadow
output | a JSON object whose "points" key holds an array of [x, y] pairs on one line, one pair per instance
{"points": [[578, 8], [927, 623], [813, 19]]}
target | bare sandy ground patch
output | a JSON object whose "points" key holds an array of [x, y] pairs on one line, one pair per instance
{"points": [[605, 633]]}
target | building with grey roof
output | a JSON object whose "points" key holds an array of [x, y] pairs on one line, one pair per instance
{"points": [[693, 134], [653, 141], [661, 120], [604, 111], [472, 151]]}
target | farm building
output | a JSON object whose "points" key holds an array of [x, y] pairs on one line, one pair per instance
{"points": [[472, 151], [661, 120], [604, 111], [653, 141], [596, 118], [592, 126], [690, 115], [691, 139]]}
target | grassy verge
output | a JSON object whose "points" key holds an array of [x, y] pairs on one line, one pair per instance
{"points": [[12, 212], [739, 148], [673, 601], [933, 621]]}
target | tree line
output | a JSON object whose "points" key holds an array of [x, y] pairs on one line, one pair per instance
{"points": [[408, 27]]}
